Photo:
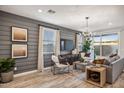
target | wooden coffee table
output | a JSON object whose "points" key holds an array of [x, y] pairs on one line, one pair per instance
{"points": [[100, 70]]}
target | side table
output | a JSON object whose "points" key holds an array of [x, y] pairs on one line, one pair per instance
{"points": [[102, 75]]}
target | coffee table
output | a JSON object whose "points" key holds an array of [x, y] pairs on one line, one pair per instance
{"points": [[78, 63]]}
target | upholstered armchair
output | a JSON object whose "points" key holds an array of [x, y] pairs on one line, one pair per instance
{"points": [[57, 66]]}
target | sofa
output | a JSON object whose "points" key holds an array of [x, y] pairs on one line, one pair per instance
{"points": [[70, 58], [114, 70]]}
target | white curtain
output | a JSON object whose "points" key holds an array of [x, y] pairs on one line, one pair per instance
{"points": [[57, 47], [40, 49], [77, 42]]}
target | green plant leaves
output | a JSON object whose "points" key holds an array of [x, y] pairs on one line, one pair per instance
{"points": [[87, 45], [6, 64]]}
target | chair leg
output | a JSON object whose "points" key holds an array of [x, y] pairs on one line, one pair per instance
{"points": [[54, 71], [51, 68], [68, 69]]}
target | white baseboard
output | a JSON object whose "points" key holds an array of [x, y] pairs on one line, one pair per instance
{"points": [[29, 72], [47, 68], [25, 73]]}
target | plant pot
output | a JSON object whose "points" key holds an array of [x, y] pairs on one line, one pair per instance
{"points": [[7, 76]]}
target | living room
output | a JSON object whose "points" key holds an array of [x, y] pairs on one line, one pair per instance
{"points": [[40, 39]]}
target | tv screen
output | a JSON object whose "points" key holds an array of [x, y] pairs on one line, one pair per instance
{"points": [[66, 45]]}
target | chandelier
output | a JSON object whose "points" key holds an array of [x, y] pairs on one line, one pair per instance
{"points": [[87, 33]]}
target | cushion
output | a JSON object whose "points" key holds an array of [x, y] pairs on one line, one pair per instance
{"points": [[112, 59], [87, 54], [82, 55], [112, 55], [75, 51], [61, 65], [55, 59], [107, 61], [117, 57]]}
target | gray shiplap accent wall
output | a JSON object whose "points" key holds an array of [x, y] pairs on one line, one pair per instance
{"points": [[68, 35], [6, 21]]}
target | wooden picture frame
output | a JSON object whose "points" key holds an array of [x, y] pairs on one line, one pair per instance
{"points": [[19, 34], [19, 50]]}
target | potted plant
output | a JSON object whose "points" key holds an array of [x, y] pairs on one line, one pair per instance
{"points": [[86, 45], [7, 69]]}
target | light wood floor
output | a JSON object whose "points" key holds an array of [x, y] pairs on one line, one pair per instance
{"points": [[48, 80]]}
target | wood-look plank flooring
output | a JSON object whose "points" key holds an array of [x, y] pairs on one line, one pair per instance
{"points": [[75, 79]]}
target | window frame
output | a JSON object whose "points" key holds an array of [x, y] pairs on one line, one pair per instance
{"points": [[102, 34], [79, 42]]}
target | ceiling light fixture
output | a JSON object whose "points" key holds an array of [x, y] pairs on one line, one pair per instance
{"points": [[110, 23], [87, 33], [39, 10]]}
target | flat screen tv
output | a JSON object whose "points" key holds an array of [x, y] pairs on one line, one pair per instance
{"points": [[66, 45]]}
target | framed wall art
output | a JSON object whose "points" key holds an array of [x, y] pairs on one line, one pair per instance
{"points": [[19, 50], [19, 34]]}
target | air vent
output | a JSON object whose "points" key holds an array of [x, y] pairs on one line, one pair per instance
{"points": [[51, 11]]}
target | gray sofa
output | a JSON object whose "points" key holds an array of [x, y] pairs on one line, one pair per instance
{"points": [[114, 70]]}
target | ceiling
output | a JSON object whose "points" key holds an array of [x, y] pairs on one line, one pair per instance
{"points": [[73, 17]]}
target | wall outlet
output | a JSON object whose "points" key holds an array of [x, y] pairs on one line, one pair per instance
{"points": [[15, 68]]}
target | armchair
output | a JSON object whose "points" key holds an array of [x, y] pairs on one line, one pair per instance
{"points": [[57, 65]]}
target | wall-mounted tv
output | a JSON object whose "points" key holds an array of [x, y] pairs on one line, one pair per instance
{"points": [[66, 45]]}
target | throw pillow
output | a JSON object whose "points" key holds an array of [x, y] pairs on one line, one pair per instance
{"points": [[107, 61], [112, 55], [112, 59], [87, 54], [117, 57]]}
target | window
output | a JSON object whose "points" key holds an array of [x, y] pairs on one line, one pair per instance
{"points": [[106, 44], [49, 42], [97, 45], [109, 44], [79, 41]]}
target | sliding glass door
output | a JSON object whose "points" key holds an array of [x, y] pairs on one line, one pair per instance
{"points": [[106, 44], [49, 42], [97, 46], [109, 44]]}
